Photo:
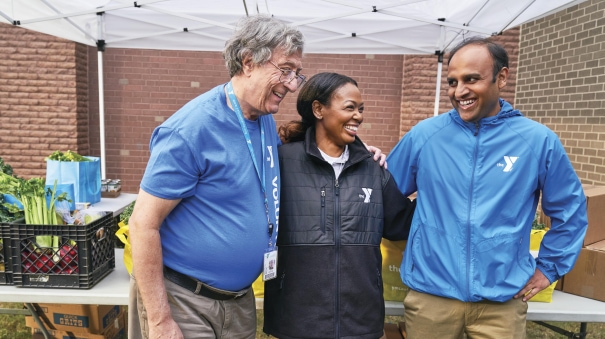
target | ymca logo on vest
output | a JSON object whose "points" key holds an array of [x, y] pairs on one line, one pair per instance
{"points": [[510, 161], [366, 196]]}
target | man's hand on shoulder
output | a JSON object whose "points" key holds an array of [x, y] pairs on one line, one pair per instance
{"points": [[378, 155]]}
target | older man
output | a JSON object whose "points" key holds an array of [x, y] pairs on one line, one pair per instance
{"points": [[206, 213]]}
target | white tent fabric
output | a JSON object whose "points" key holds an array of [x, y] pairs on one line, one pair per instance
{"points": [[329, 26]]}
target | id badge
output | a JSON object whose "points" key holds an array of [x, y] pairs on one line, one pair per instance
{"points": [[270, 265]]}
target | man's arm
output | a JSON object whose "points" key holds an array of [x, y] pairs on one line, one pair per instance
{"points": [[147, 217], [564, 202]]}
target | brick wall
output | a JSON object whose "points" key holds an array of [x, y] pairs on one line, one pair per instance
{"points": [[40, 108], [49, 92], [561, 82], [144, 87], [419, 82]]}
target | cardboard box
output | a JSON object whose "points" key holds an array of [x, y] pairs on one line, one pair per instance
{"points": [[117, 331], [402, 330], [595, 209], [94, 319], [587, 278], [391, 331]]}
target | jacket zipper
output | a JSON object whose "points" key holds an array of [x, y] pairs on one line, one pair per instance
{"points": [[281, 283], [337, 252], [468, 218], [323, 210]]}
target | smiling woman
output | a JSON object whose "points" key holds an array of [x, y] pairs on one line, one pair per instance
{"points": [[336, 205]]}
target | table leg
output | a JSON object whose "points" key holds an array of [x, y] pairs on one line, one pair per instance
{"points": [[34, 314], [568, 334], [583, 331]]}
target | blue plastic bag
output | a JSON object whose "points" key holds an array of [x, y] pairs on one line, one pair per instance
{"points": [[61, 188], [85, 177], [12, 200]]}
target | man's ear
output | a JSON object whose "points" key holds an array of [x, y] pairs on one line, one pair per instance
{"points": [[317, 109], [501, 77], [247, 64]]}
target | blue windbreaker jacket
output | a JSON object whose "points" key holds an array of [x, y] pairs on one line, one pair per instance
{"points": [[478, 187]]}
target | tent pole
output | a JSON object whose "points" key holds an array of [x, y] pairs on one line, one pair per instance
{"points": [[100, 50], [439, 54], [101, 112], [438, 86]]}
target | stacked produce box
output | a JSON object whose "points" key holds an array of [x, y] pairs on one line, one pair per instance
{"points": [[80, 321], [587, 278]]}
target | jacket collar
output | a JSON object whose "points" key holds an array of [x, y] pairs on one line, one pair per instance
{"points": [[506, 111], [357, 150]]}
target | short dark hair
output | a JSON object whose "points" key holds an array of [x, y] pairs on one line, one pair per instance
{"points": [[498, 53]]}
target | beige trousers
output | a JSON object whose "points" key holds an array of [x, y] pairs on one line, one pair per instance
{"points": [[429, 316], [197, 316]]}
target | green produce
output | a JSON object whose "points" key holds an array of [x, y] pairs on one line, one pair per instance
{"points": [[5, 215], [32, 195], [536, 225], [67, 156], [5, 168], [125, 215]]}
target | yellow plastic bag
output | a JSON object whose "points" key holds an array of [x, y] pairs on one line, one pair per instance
{"points": [[122, 234], [258, 286], [535, 238], [392, 255], [545, 295]]}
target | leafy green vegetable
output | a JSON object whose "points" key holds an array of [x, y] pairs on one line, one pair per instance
{"points": [[5, 168], [67, 156], [5, 214], [535, 225], [32, 195], [125, 215]]}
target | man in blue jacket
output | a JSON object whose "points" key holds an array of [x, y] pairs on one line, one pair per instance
{"points": [[479, 170]]}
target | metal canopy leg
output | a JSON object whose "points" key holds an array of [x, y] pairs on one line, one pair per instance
{"points": [[570, 335], [34, 314]]}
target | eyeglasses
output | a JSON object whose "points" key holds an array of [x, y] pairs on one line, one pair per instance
{"points": [[287, 75]]}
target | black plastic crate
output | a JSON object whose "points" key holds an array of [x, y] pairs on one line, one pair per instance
{"points": [[83, 256], [6, 269]]}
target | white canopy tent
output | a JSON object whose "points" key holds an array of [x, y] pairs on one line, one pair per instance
{"points": [[330, 26]]}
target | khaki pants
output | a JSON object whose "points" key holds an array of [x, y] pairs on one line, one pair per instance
{"points": [[198, 316], [429, 316], [134, 327]]}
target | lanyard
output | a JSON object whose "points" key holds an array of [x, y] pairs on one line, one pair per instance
{"points": [[261, 173]]}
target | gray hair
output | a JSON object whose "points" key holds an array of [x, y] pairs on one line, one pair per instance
{"points": [[259, 36]]}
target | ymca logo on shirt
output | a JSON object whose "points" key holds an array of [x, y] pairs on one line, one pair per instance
{"points": [[270, 157], [366, 196], [509, 162]]}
